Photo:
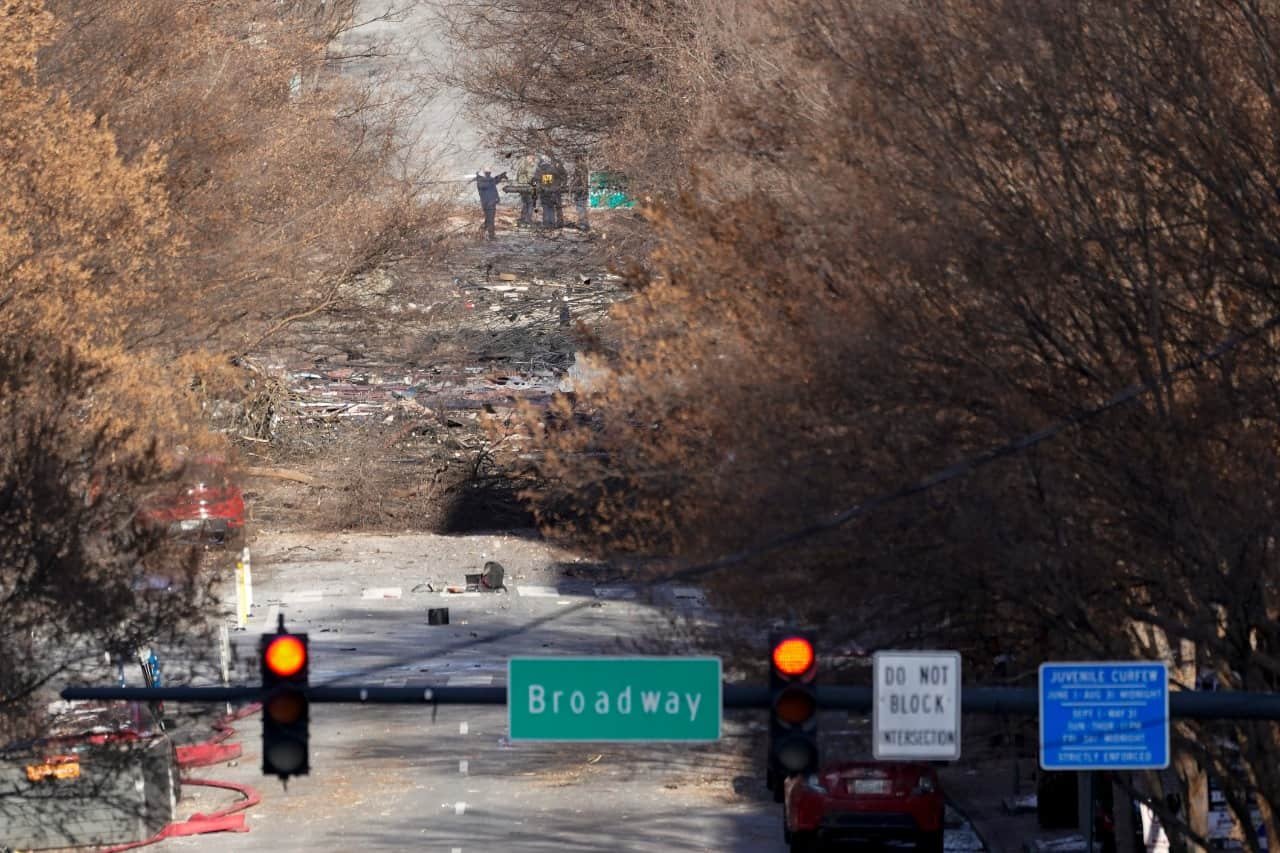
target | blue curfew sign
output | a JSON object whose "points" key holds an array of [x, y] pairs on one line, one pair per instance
{"points": [[1104, 716]]}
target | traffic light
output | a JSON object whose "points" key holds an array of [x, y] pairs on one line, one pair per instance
{"points": [[793, 708], [285, 715]]}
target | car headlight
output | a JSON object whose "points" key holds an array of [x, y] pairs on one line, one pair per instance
{"points": [[814, 783]]}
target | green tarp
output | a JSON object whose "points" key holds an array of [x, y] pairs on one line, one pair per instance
{"points": [[609, 190]]}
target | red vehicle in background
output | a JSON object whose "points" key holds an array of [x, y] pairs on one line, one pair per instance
{"points": [[206, 506], [866, 802]]}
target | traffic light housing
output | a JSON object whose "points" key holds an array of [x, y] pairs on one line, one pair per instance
{"points": [[793, 708], [285, 711]]}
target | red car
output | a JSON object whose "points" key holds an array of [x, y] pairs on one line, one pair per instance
{"points": [[864, 801], [207, 507]]}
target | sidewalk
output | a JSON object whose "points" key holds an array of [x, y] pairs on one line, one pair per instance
{"points": [[980, 791]]}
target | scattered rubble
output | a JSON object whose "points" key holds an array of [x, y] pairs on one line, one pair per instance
{"points": [[520, 343], [382, 402]]}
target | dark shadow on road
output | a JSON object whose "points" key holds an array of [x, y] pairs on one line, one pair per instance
{"points": [[488, 500]]}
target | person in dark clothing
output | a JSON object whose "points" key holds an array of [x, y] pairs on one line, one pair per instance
{"points": [[488, 187], [550, 179], [528, 194], [580, 187]]}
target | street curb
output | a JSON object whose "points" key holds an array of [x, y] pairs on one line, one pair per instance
{"points": [[972, 824]]}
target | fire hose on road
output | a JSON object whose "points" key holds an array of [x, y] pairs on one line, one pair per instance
{"points": [[208, 752]]}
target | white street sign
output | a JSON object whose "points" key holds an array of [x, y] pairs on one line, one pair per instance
{"points": [[915, 709]]}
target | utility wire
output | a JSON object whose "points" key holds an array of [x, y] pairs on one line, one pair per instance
{"points": [[973, 463], [946, 475]]}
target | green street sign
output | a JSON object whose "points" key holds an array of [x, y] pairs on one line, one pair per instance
{"points": [[614, 699]]}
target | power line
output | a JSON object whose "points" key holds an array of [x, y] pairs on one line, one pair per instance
{"points": [[973, 463], [946, 475]]}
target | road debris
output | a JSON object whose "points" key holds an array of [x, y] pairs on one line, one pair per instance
{"points": [[283, 474]]}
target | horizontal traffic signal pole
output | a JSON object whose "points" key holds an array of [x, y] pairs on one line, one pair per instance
{"points": [[1183, 704], [352, 694], [735, 695], [161, 694]]}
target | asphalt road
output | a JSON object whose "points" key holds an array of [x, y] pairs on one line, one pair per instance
{"points": [[394, 777], [448, 778]]}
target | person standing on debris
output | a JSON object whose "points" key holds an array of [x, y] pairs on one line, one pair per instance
{"points": [[580, 187], [528, 196], [549, 178], [562, 182], [488, 187]]}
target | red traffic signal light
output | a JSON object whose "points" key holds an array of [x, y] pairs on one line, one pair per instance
{"points": [[285, 711], [285, 656], [793, 709], [793, 656]]}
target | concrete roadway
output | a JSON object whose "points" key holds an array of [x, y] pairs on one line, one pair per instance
{"points": [[395, 777]]}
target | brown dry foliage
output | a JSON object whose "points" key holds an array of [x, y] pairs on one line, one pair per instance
{"points": [[636, 84], [286, 180], [970, 220], [178, 181], [80, 232], [78, 575]]}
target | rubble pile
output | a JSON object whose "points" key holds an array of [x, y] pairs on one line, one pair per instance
{"points": [[377, 408], [509, 323]]}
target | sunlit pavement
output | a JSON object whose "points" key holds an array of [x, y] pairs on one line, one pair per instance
{"points": [[447, 778]]}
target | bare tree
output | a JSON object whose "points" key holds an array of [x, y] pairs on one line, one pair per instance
{"points": [[974, 220], [633, 83], [78, 575], [269, 157]]}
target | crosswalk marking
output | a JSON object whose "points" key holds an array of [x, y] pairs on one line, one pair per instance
{"points": [[535, 591], [469, 680]]}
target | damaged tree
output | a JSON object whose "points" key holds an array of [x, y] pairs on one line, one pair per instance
{"points": [[178, 183], [82, 235], [288, 181], [975, 220], [633, 83], [78, 575]]}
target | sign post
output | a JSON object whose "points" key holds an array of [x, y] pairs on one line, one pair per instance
{"points": [[915, 708], [248, 576], [614, 699], [1103, 716]]}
